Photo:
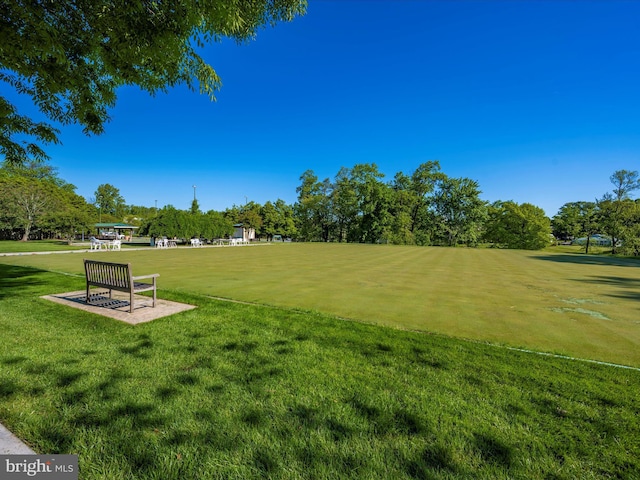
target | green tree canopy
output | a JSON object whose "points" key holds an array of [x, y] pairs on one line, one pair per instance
{"points": [[575, 219], [514, 225], [277, 219], [34, 199], [630, 228], [109, 201], [313, 208], [459, 210], [612, 206], [70, 57]]}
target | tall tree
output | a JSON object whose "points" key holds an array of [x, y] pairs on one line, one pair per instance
{"points": [[373, 200], [249, 215], [286, 218], [630, 228], [624, 183], [412, 198], [109, 200], [423, 183], [277, 219], [195, 207], [459, 210], [612, 204], [70, 57], [403, 203], [344, 205], [31, 200], [313, 208]]}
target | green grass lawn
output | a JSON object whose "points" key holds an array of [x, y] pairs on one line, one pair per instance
{"points": [[8, 246], [240, 391], [572, 304]]}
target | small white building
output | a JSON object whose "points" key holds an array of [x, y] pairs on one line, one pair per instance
{"points": [[247, 234]]}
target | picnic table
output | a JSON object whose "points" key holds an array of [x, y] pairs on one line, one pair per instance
{"points": [[166, 243]]}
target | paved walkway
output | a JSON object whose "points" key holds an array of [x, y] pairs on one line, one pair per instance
{"points": [[12, 445]]}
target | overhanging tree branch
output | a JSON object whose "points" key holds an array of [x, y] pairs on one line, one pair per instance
{"points": [[71, 56]]}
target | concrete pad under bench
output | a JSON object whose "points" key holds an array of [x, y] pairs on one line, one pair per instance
{"points": [[118, 306]]}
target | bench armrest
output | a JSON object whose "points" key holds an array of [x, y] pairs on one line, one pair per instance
{"points": [[153, 275]]}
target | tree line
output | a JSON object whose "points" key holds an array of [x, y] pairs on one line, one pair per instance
{"points": [[424, 207], [36, 204]]}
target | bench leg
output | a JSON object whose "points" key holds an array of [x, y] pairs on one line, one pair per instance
{"points": [[131, 302]]}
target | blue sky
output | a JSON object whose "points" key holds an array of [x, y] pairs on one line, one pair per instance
{"points": [[537, 101]]}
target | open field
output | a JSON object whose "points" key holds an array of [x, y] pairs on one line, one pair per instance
{"points": [[577, 305], [238, 391]]}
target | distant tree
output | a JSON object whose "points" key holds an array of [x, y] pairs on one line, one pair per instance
{"points": [[170, 222], [135, 213], [195, 208], [71, 57], [458, 210], [624, 182], [286, 218], [514, 225], [277, 219], [33, 197], [373, 199], [269, 221], [69, 216], [612, 205], [249, 215], [215, 225], [109, 201], [412, 219], [402, 205], [630, 228], [576, 219], [423, 183], [29, 201], [344, 205], [313, 208]]}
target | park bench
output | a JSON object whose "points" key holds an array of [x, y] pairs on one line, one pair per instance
{"points": [[117, 276]]}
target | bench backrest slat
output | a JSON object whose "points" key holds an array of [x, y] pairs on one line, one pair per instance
{"points": [[105, 273]]}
